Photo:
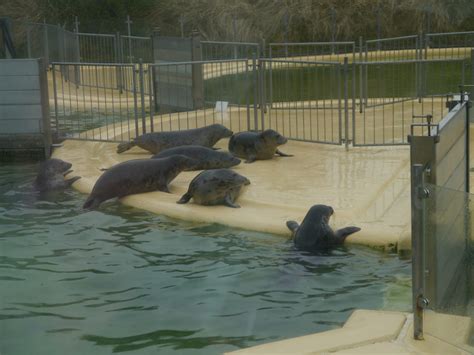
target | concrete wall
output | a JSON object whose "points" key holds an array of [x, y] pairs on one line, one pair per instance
{"points": [[24, 106]]}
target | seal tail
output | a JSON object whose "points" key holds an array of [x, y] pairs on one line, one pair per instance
{"points": [[72, 180], [123, 147], [185, 198], [91, 203], [343, 233], [292, 226]]}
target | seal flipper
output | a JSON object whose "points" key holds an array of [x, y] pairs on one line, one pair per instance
{"points": [[292, 226], [228, 202], [280, 153], [185, 198], [71, 181], [343, 233], [123, 147]]}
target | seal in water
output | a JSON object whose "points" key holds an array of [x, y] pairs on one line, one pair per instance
{"points": [[215, 187], [137, 176], [156, 142], [257, 146], [207, 158], [315, 233], [51, 175]]}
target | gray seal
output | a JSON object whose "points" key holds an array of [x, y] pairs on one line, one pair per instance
{"points": [[207, 158], [315, 233], [156, 142], [215, 187], [137, 176], [257, 146], [51, 175]]}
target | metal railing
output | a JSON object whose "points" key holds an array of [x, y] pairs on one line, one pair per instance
{"points": [[440, 205], [220, 50]]}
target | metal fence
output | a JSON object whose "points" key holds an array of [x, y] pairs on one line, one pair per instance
{"points": [[322, 51], [183, 95], [218, 50], [442, 244]]}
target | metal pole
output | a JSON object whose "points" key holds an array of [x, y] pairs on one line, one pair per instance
{"points": [[378, 25], [346, 102], [46, 44], [361, 83], [255, 92], [286, 23], [181, 24], [28, 40], [55, 93], [234, 35], [142, 94], [333, 28], [119, 60], [135, 101], [262, 92], [418, 193], [129, 32]]}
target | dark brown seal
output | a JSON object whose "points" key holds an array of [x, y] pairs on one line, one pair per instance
{"points": [[315, 233], [206, 158], [257, 146], [156, 142], [51, 175], [137, 176], [215, 187]]}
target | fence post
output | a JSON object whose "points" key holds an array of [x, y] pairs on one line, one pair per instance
{"points": [[55, 93], [472, 68], [28, 40], [119, 60], [45, 44], [261, 68], [135, 101], [361, 83], [270, 80], [129, 33], [142, 94], [418, 193], [255, 91], [346, 102]]}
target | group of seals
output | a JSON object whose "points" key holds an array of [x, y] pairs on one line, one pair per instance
{"points": [[191, 150], [51, 175]]}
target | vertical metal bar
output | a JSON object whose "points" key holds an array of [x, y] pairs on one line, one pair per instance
{"points": [[135, 100], [361, 44], [262, 92], [28, 39], [46, 44], [417, 240], [255, 92], [346, 102], [55, 93], [151, 97]]}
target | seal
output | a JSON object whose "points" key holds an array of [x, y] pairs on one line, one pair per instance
{"points": [[156, 142], [257, 146], [215, 187], [315, 233], [207, 158], [51, 175], [137, 176]]}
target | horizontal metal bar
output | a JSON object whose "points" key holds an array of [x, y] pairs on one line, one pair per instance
{"points": [[95, 64], [390, 39], [412, 61], [95, 35], [136, 37], [379, 144], [273, 60], [309, 43], [449, 34], [232, 43], [314, 141], [200, 62]]}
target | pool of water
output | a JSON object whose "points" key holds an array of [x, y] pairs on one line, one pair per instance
{"points": [[124, 280]]}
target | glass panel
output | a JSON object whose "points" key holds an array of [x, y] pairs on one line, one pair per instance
{"points": [[449, 261]]}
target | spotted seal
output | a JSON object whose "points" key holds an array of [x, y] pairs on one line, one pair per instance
{"points": [[137, 176], [207, 158], [257, 146], [156, 142], [215, 187], [315, 233], [51, 175]]}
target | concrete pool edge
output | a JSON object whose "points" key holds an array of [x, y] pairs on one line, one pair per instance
{"points": [[368, 331]]}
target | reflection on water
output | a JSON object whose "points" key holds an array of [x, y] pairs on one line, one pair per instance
{"points": [[120, 279]]}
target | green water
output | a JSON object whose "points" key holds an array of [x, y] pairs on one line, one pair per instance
{"points": [[312, 82], [123, 280]]}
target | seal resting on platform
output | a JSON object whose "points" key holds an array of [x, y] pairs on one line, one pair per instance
{"points": [[51, 175], [257, 146], [315, 233], [207, 158], [215, 187], [137, 176], [156, 142]]}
